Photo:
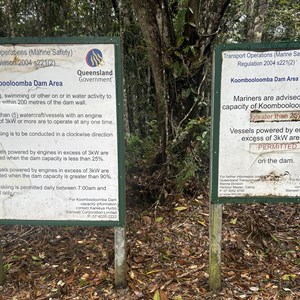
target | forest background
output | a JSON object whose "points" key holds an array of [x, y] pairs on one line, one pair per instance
{"points": [[167, 66], [167, 57]]}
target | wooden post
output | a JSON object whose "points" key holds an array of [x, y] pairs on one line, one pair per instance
{"points": [[120, 257], [215, 236], [2, 273]]}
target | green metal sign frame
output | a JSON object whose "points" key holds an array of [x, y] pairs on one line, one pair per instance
{"points": [[119, 115], [216, 107]]}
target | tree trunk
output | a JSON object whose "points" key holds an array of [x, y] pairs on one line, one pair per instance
{"points": [[146, 12], [2, 272], [11, 29], [250, 20], [260, 20], [256, 11], [120, 10]]}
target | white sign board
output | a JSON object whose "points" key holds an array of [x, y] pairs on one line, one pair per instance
{"points": [[58, 132], [259, 117]]}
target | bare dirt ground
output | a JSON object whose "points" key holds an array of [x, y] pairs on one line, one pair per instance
{"points": [[168, 249]]}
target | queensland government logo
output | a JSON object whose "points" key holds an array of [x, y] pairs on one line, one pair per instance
{"points": [[94, 58]]}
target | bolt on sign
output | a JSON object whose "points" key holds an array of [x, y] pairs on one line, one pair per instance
{"points": [[256, 123], [61, 139]]}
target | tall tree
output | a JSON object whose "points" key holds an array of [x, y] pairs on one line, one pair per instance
{"points": [[179, 37], [152, 17], [256, 11]]}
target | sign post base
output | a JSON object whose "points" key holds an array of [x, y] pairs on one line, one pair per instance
{"points": [[120, 257], [215, 235]]}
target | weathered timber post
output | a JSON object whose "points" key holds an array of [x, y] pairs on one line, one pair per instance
{"points": [[215, 236], [2, 273], [120, 257]]}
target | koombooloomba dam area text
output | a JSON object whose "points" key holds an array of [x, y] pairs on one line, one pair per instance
{"points": [[264, 79]]}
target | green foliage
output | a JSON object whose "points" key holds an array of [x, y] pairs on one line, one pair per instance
{"points": [[140, 151], [179, 22], [191, 155], [188, 164], [57, 18], [234, 24], [7, 267], [282, 20]]}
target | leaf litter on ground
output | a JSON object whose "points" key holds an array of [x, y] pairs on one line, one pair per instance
{"points": [[167, 251]]}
